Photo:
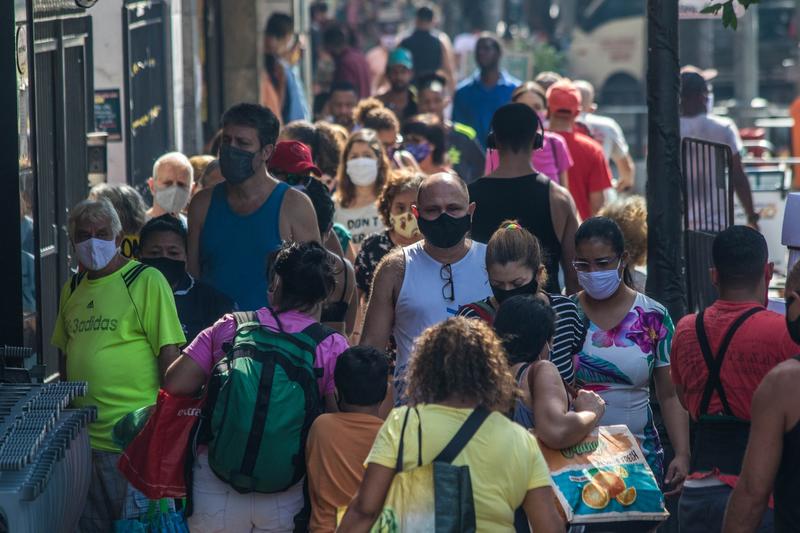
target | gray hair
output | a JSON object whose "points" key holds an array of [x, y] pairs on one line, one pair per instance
{"points": [[101, 210], [175, 158], [129, 204]]}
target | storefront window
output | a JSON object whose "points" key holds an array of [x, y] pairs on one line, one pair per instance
{"points": [[27, 196]]}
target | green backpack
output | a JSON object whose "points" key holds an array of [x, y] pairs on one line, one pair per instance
{"points": [[262, 399]]}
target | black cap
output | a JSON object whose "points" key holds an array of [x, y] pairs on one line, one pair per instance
{"points": [[692, 84]]}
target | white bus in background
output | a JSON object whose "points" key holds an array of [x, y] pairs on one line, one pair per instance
{"points": [[608, 48]]}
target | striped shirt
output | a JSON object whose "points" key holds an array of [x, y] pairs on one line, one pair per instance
{"points": [[568, 337]]}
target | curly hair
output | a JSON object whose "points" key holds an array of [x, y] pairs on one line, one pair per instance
{"points": [[464, 359], [399, 181], [345, 190], [371, 113], [630, 214], [326, 146]]}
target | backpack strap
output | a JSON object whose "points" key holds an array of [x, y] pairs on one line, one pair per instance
{"points": [[245, 317], [130, 276], [714, 365], [463, 436], [75, 281], [318, 332]]}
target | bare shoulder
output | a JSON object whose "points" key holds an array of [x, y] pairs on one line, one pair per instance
{"points": [[560, 195], [781, 381], [544, 373], [392, 267], [297, 199], [198, 207]]}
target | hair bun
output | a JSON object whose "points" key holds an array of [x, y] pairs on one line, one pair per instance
{"points": [[365, 108]]}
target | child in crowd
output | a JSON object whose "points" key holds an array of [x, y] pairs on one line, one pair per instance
{"points": [[338, 443]]}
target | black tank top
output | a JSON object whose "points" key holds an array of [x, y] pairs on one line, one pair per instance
{"points": [[526, 199], [787, 482], [426, 50]]}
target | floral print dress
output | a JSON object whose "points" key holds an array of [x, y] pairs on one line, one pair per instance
{"points": [[618, 365]]}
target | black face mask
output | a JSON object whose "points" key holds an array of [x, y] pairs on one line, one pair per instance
{"points": [[172, 269], [529, 289], [444, 231], [235, 164], [792, 325]]}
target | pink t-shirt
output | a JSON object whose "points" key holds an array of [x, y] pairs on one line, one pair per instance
{"points": [[206, 348], [552, 159]]}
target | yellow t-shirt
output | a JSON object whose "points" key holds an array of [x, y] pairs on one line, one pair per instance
{"points": [[111, 330], [504, 459]]}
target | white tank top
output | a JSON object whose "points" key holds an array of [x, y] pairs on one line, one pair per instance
{"points": [[421, 303]]}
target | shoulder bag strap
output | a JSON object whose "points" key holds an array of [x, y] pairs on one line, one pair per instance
{"points": [[463, 436], [399, 465], [714, 365]]}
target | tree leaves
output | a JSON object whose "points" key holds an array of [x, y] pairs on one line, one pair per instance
{"points": [[728, 13]]}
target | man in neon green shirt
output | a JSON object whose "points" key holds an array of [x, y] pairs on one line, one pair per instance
{"points": [[119, 330]]}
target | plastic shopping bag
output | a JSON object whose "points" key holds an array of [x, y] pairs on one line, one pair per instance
{"points": [[605, 478], [154, 462]]}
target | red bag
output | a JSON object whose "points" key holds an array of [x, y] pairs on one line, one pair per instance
{"points": [[154, 461]]}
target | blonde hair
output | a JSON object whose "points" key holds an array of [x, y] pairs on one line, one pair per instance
{"points": [[630, 214], [464, 359]]}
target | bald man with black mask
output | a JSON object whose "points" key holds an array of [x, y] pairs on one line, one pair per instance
{"points": [[425, 283]]}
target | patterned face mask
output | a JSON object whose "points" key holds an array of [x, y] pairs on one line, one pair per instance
{"points": [[405, 225]]}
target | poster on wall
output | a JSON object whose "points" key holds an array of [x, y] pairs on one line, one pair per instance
{"points": [[107, 113]]}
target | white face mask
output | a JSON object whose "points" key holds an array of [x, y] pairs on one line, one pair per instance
{"points": [[172, 199], [601, 285], [363, 171], [96, 254]]}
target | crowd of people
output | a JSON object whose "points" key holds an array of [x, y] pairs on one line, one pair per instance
{"points": [[434, 254]]}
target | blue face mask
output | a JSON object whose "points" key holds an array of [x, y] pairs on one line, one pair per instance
{"points": [[419, 150], [601, 285]]}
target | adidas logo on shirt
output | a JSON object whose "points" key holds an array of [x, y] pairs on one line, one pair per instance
{"points": [[90, 305]]}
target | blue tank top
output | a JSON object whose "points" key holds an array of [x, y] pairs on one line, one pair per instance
{"points": [[523, 415], [234, 248]]}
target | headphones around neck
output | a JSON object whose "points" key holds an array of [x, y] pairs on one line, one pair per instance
{"points": [[538, 139]]}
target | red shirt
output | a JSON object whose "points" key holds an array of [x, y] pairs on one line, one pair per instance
{"points": [[760, 344], [352, 66], [590, 173]]}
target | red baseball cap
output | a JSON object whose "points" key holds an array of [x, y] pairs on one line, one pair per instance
{"points": [[564, 96], [292, 157]]}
